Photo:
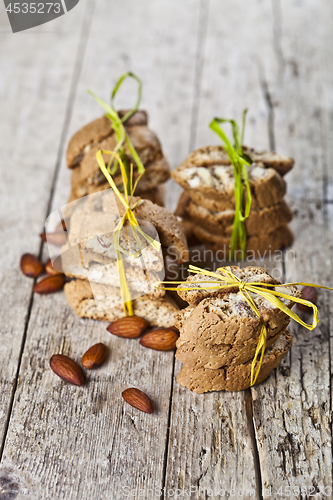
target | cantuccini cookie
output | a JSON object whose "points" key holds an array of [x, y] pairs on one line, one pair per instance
{"points": [[156, 311], [144, 141], [217, 155], [259, 222], [234, 377], [208, 178], [229, 319], [257, 244], [213, 187], [155, 195], [94, 219], [169, 228], [281, 163], [94, 132], [249, 274], [84, 267], [155, 173], [215, 355]]}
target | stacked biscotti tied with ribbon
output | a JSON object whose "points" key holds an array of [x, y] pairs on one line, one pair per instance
{"points": [[208, 201], [219, 332], [100, 135], [89, 259]]}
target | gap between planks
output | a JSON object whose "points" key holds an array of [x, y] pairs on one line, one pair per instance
{"points": [[201, 39], [83, 39]]}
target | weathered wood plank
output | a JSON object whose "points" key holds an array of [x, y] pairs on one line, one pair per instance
{"points": [[86, 442], [299, 79], [231, 81], [163, 56], [292, 410], [34, 91], [211, 444]]}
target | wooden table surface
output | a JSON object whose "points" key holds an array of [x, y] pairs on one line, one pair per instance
{"points": [[197, 59]]}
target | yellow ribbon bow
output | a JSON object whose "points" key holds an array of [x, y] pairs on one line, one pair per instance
{"points": [[126, 200], [231, 281]]}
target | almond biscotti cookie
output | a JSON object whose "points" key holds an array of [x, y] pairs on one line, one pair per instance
{"points": [[169, 228], [281, 163], [259, 222], [209, 181], [143, 140], [84, 267], [156, 172], [155, 195], [249, 274], [94, 132], [258, 244], [215, 355], [229, 319], [234, 377], [217, 155], [157, 311], [95, 217]]}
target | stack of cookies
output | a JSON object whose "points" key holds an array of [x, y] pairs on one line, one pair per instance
{"points": [[207, 205], [89, 258], [99, 134], [219, 333]]}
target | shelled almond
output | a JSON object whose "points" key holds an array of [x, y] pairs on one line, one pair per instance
{"points": [[50, 284], [129, 327], [67, 369], [31, 265], [94, 356], [163, 339], [138, 399]]}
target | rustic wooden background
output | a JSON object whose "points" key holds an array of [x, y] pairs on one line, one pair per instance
{"points": [[197, 59]]}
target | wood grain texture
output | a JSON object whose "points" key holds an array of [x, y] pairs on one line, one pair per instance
{"points": [[163, 56], [211, 446], [34, 92], [89, 443], [292, 409], [196, 62], [84, 442], [292, 413]]}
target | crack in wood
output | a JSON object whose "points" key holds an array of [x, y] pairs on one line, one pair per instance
{"points": [[277, 37], [199, 66], [87, 20], [269, 104], [255, 442]]}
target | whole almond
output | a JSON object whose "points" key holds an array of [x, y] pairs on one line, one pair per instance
{"points": [[129, 327], [67, 369], [50, 269], [163, 339], [31, 265], [138, 399], [308, 293], [94, 357], [50, 284], [57, 238]]}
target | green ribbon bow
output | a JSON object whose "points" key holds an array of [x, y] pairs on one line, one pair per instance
{"points": [[118, 126], [240, 162]]}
